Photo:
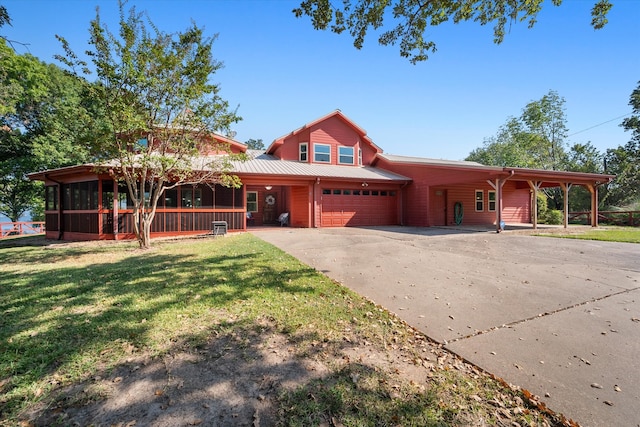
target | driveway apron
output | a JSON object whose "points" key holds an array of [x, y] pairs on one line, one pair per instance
{"points": [[558, 317]]}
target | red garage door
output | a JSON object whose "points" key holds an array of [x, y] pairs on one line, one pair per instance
{"points": [[344, 207]]}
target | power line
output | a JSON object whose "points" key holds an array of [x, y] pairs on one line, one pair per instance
{"points": [[600, 124]]}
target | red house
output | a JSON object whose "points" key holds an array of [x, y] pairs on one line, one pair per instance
{"points": [[328, 173]]}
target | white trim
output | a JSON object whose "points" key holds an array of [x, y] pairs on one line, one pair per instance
{"points": [[340, 155], [476, 200], [305, 153], [315, 146], [494, 201], [256, 201]]}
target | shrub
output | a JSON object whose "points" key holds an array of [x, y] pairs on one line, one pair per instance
{"points": [[542, 205], [553, 216]]}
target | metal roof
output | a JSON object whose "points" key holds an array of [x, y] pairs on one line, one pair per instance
{"points": [[261, 163], [433, 162]]}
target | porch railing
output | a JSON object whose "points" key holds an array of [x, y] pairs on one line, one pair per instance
{"points": [[21, 228], [628, 218]]}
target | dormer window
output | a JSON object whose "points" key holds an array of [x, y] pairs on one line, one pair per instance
{"points": [[303, 152], [345, 155], [321, 153]]}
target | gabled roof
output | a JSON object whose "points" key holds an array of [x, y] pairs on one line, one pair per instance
{"points": [[337, 113]]}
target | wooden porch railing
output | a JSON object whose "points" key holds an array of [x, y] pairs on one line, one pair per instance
{"points": [[21, 228], [629, 218]]}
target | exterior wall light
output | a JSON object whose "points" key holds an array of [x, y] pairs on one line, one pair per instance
{"points": [[268, 187]]}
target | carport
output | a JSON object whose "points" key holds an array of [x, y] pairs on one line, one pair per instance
{"points": [[537, 180]]}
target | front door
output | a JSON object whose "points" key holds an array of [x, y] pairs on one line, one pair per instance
{"points": [[269, 207], [439, 203]]}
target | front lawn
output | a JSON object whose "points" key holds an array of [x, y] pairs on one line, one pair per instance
{"points": [[607, 234], [80, 321]]}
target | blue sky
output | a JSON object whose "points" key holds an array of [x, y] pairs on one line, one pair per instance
{"points": [[282, 73]]}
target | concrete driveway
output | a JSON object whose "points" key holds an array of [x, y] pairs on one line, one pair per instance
{"points": [[558, 317]]}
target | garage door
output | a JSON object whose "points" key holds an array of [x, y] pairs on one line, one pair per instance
{"points": [[345, 207]]}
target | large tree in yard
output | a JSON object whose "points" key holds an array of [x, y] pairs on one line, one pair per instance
{"points": [[160, 109], [624, 161], [411, 19], [43, 125]]}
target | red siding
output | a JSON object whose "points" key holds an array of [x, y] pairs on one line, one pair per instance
{"points": [[333, 131], [300, 206], [435, 189]]}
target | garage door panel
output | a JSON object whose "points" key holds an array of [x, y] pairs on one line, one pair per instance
{"points": [[340, 209]]}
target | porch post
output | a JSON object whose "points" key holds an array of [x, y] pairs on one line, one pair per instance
{"points": [[593, 189], [535, 186], [115, 209], [565, 188]]}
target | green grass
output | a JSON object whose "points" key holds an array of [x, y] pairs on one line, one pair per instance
{"points": [[613, 234], [68, 312]]}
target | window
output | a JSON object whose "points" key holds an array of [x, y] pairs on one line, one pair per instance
{"points": [[326, 191], [171, 198], [337, 192], [80, 195], [252, 201], [492, 200], [187, 197], [479, 200], [303, 151], [322, 153], [52, 198], [360, 156], [345, 155]]}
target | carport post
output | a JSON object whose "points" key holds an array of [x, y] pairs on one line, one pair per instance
{"points": [[593, 189], [535, 186], [566, 186]]}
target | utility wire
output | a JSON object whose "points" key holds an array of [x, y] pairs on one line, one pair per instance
{"points": [[600, 124]]}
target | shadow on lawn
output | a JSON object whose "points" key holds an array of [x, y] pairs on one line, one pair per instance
{"points": [[64, 322]]}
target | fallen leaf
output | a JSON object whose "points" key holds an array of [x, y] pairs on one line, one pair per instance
{"points": [[608, 402], [596, 385]]}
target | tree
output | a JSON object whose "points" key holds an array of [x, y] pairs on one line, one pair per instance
{"points": [[412, 18], [160, 110], [42, 126], [255, 144], [583, 158], [546, 120], [534, 140], [512, 146], [624, 161]]}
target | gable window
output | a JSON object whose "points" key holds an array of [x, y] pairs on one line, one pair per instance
{"points": [[492, 200], [252, 201], [360, 156], [303, 152], [479, 200], [321, 153], [345, 155]]}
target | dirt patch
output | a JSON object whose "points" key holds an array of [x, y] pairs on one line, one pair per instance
{"points": [[238, 380]]}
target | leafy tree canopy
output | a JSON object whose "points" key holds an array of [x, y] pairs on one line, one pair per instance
{"points": [[624, 161], [159, 107], [411, 19], [534, 140], [42, 126], [255, 144]]}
